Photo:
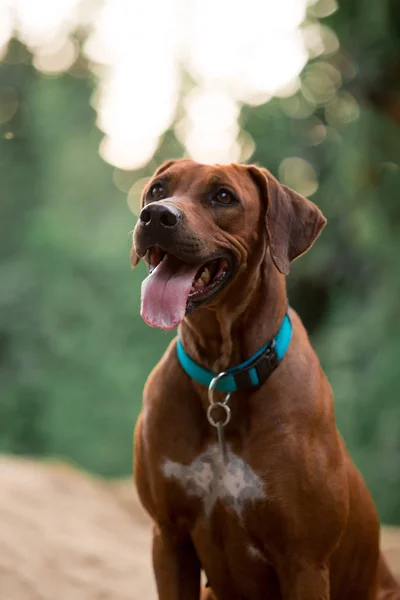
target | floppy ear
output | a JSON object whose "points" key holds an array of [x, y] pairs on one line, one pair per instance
{"points": [[293, 223], [163, 167]]}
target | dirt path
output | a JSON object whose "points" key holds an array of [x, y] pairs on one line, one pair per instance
{"points": [[67, 536]]}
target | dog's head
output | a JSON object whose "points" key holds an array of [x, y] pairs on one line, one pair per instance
{"points": [[198, 226]]}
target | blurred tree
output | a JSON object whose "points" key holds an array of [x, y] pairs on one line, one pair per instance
{"points": [[21, 176], [72, 369]]}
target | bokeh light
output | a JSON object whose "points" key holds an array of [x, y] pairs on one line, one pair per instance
{"points": [[56, 56], [342, 110], [6, 26], [141, 53], [298, 174], [40, 22], [231, 56], [210, 129]]}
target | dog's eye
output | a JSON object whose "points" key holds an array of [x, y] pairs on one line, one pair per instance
{"points": [[223, 197], [156, 191]]}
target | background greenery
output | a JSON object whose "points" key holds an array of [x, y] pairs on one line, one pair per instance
{"points": [[74, 353]]}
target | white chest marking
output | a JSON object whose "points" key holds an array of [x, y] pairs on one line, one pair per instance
{"points": [[234, 483], [256, 553]]}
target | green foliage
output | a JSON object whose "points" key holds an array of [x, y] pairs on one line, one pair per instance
{"points": [[74, 351]]}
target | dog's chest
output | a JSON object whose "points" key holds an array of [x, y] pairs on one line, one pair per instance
{"points": [[234, 482]]}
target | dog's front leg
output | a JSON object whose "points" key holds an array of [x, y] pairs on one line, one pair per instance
{"points": [[304, 582], [176, 566]]}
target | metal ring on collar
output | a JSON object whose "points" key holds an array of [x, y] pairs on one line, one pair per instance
{"points": [[211, 419], [211, 389]]}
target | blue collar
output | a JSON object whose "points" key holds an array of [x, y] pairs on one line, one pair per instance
{"points": [[251, 373]]}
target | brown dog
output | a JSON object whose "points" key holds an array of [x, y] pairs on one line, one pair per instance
{"points": [[278, 510]]}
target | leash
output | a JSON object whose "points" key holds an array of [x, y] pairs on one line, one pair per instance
{"points": [[251, 373]]}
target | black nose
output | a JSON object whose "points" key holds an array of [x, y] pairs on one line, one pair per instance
{"points": [[159, 214]]}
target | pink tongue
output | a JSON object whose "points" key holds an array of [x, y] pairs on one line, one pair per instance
{"points": [[165, 293]]}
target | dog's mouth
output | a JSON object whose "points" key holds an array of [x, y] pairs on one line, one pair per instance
{"points": [[208, 278], [175, 288]]}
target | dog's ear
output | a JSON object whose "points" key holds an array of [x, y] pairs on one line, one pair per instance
{"points": [[293, 222], [164, 166]]}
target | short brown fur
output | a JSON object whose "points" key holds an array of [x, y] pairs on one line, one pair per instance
{"points": [[317, 528]]}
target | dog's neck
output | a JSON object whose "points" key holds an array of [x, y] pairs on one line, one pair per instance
{"points": [[232, 332]]}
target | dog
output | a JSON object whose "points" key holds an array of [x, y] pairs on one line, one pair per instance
{"points": [[237, 457]]}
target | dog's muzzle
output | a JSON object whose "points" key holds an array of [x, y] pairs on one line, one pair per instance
{"points": [[159, 224], [160, 216], [184, 270]]}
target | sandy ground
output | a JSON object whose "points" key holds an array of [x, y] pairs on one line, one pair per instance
{"points": [[67, 536]]}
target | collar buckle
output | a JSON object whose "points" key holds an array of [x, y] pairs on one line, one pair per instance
{"points": [[263, 366], [267, 362]]}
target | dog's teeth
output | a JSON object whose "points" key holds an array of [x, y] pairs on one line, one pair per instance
{"points": [[202, 281], [205, 276], [199, 284]]}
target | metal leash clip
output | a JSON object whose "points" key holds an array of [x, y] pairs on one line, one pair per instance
{"points": [[219, 425]]}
